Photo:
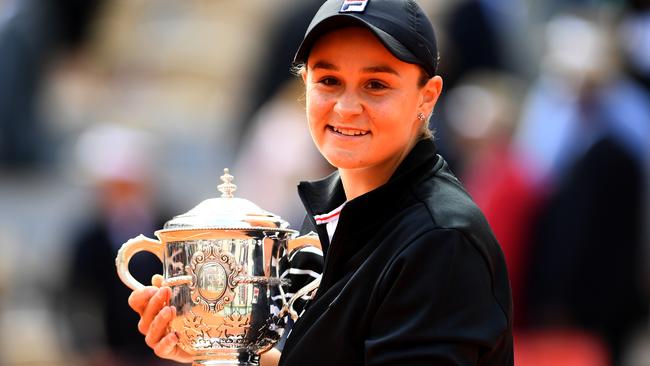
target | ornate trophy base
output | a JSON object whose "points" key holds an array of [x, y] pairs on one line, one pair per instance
{"points": [[223, 363], [242, 360]]}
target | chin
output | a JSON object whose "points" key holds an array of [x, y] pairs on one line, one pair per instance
{"points": [[346, 163], [343, 160]]}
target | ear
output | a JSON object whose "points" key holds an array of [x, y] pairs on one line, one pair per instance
{"points": [[429, 95]]}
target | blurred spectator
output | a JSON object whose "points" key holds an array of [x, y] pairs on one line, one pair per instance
{"points": [[277, 154], [278, 55], [480, 34], [119, 161], [579, 135], [32, 34], [581, 62], [634, 37], [477, 35], [482, 112]]}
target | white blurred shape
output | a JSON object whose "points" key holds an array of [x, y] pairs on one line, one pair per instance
{"points": [[577, 49], [109, 152], [27, 337], [472, 110]]}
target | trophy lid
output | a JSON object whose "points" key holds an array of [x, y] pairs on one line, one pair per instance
{"points": [[226, 212]]}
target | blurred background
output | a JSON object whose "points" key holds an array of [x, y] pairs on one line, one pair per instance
{"points": [[116, 115]]}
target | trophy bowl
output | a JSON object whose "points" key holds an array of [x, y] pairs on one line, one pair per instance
{"points": [[223, 261]]}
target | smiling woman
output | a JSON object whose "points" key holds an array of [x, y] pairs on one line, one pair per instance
{"points": [[363, 110], [413, 274]]}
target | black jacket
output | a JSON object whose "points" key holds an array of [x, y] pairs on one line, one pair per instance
{"points": [[413, 276]]}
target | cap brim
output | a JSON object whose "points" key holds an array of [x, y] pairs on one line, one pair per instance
{"points": [[347, 20]]}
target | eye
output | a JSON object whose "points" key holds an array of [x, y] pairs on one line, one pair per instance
{"points": [[329, 81], [376, 85]]}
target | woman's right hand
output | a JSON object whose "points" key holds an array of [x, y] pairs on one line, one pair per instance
{"points": [[151, 304]]}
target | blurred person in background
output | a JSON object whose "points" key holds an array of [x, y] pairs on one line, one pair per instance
{"points": [[480, 35], [634, 37], [277, 54], [580, 134], [277, 136], [482, 113], [477, 35], [32, 34], [119, 161]]}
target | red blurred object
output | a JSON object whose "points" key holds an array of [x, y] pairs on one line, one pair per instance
{"points": [[560, 347], [501, 186]]}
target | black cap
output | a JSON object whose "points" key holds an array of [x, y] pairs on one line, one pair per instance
{"points": [[400, 25]]}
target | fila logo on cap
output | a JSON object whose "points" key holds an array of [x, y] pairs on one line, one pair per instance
{"points": [[353, 6]]}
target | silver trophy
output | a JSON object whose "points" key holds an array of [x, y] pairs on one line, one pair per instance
{"points": [[223, 261]]}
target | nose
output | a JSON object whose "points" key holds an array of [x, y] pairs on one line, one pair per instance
{"points": [[347, 104]]}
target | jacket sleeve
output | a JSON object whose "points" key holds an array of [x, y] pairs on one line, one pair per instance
{"points": [[436, 307]]}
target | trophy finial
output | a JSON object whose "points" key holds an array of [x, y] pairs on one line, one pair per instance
{"points": [[227, 187]]}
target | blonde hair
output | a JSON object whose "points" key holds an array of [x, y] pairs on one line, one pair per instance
{"points": [[426, 132]]}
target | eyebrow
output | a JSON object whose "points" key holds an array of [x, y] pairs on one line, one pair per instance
{"points": [[369, 70], [324, 65], [380, 69]]}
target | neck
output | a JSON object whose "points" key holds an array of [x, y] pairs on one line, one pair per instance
{"points": [[357, 182]]}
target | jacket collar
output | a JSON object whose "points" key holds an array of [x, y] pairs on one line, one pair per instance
{"points": [[324, 195]]}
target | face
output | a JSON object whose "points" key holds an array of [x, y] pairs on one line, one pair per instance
{"points": [[363, 102]]}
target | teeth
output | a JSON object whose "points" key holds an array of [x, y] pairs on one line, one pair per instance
{"points": [[348, 132]]}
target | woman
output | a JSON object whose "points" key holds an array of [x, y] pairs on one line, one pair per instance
{"points": [[413, 274]]}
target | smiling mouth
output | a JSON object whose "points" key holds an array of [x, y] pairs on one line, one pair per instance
{"points": [[347, 131]]}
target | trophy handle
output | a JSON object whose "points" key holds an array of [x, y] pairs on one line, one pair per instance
{"points": [[308, 240], [128, 250]]}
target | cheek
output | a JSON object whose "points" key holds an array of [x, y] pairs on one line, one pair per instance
{"points": [[396, 119], [386, 114], [317, 106], [314, 110]]}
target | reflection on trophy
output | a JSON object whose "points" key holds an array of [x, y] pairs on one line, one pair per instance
{"points": [[221, 260]]}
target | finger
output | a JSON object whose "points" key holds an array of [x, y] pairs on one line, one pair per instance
{"points": [[166, 347], [158, 327], [157, 280], [155, 304], [139, 298]]}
